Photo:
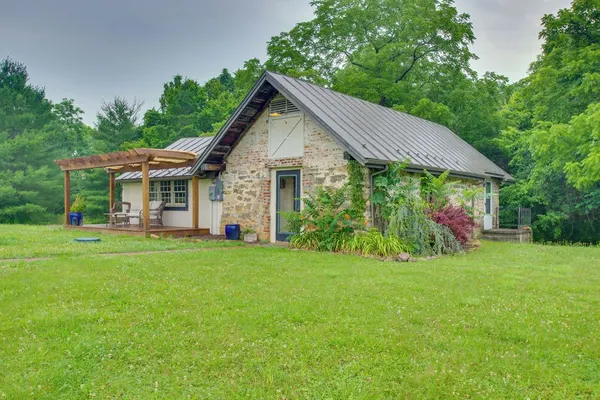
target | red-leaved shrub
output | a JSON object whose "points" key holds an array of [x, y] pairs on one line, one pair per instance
{"points": [[457, 220]]}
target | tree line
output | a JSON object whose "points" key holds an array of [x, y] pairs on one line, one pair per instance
{"points": [[411, 55]]}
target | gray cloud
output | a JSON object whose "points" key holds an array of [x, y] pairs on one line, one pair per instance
{"points": [[92, 51]]}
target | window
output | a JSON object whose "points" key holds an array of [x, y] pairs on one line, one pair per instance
{"points": [[488, 198], [173, 193]]}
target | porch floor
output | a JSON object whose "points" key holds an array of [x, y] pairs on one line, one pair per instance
{"points": [[134, 230]]}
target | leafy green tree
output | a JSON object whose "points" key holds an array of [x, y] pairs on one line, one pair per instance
{"points": [[22, 106], [552, 129], [117, 124], [432, 111], [385, 47]]}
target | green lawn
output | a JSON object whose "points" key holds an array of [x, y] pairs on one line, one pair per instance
{"points": [[509, 321], [26, 241]]}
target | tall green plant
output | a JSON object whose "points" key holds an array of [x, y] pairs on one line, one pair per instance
{"points": [[411, 223], [326, 223], [356, 183], [436, 190], [389, 189]]}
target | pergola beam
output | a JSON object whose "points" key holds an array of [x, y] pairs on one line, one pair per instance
{"points": [[89, 163], [127, 159], [153, 166]]}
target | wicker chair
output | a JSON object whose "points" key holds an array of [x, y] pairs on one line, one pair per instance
{"points": [[119, 213], [156, 213]]}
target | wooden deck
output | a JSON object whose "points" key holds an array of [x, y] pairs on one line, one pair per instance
{"points": [[134, 230]]}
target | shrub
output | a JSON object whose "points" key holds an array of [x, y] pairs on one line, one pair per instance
{"points": [[79, 204], [325, 223], [457, 220], [411, 223], [375, 244]]}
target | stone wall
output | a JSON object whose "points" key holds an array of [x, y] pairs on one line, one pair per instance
{"points": [[469, 184], [247, 182]]}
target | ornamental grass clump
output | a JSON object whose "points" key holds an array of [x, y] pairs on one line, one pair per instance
{"points": [[374, 243], [411, 223]]}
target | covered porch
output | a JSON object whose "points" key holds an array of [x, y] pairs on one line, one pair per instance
{"points": [[136, 160]]}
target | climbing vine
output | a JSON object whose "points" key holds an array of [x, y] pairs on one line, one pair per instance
{"points": [[356, 182]]}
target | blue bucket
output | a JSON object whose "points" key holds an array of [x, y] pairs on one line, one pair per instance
{"points": [[232, 232], [75, 218]]}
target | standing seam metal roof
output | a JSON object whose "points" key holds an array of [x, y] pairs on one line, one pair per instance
{"points": [[375, 134], [195, 145]]}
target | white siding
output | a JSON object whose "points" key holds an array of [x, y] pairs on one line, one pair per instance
{"points": [[132, 192]]}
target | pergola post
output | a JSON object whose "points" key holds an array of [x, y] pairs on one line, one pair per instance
{"points": [[67, 184], [195, 202], [111, 190], [146, 196]]}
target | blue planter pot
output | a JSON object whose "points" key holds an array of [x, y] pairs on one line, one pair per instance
{"points": [[75, 218], [232, 232]]}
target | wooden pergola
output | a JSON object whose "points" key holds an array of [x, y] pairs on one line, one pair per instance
{"points": [[133, 160]]}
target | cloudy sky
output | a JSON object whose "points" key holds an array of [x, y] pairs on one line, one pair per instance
{"points": [[92, 51]]}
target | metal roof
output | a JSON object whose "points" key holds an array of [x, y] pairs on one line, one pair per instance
{"points": [[374, 134], [195, 145]]}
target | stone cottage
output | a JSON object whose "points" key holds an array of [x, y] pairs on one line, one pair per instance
{"points": [[289, 136]]}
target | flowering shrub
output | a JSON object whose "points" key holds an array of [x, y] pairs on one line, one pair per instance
{"points": [[457, 219]]}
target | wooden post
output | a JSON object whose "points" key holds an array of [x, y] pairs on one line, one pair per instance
{"points": [[146, 196], [67, 196], [111, 190], [195, 202]]}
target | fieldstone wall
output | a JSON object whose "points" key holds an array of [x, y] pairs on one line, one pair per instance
{"points": [[462, 185], [247, 182], [247, 179]]}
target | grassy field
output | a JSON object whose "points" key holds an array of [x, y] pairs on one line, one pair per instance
{"points": [[509, 321], [25, 241]]}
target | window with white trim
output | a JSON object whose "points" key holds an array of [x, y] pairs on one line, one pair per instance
{"points": [[173, 193]]}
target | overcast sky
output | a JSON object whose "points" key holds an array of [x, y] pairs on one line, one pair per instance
{"points": [[94, 50]]}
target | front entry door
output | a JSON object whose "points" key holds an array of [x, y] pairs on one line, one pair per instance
{"points": [[287, 199]]}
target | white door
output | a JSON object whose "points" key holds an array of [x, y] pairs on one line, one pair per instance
{"points": [[286, 136], [488, 217]]}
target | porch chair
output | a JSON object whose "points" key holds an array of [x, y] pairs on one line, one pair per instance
{"points": [[119, 213], [156, 213]]}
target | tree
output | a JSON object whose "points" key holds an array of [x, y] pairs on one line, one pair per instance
{"points": [[551, 130], [387, 46], [117, 124], [22, 106]]}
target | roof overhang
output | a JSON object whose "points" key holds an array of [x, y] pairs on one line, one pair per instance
{"points": [[130, 160], [380, 164]]}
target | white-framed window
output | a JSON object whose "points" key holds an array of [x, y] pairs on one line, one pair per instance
{"points": [[489, 194], [173, 193]]}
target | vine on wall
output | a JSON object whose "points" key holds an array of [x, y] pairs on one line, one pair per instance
{"points": [[356, 182]]}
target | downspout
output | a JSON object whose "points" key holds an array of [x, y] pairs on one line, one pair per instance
{"points": [[383, 171]]}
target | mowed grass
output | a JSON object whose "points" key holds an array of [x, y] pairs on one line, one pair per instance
{"points": [[509, 321], [27, 241]]}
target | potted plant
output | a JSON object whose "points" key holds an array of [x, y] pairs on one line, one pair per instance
{"points": [[250, 235], [76, 211]]}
